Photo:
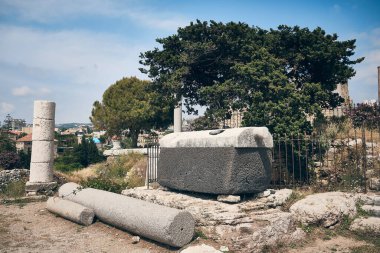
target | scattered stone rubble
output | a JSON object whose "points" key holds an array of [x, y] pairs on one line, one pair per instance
{"points": [[9, 176], [245, 227]]}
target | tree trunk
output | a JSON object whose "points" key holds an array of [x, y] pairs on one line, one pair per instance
{"points": [[134, 137]]}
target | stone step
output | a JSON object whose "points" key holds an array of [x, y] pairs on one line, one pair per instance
{"points": [[370, 224], [373, 210]]}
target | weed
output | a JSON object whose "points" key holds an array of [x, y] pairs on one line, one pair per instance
{"points": [[200, 234], [13, 190], [104, 184], [294, 197], [307, 228]]}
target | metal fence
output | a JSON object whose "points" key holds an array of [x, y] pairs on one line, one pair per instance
{"points": [[153, 156]]}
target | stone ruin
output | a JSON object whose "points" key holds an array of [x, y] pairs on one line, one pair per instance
{"points": [[225, 161], [41, 166]]}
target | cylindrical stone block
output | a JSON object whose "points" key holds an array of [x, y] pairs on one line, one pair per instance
{"points": [[42, 151], [43, 130], [44, 110], [41, 172], [160, 223], [70, 210]]}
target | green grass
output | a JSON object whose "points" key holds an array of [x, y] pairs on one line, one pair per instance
{"points": [[13, 190]]}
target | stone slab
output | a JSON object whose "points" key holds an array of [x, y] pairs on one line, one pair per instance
{"points": [[218, 170], [366, 224], [40, 187], [229, 198], [244, 137], [163, 224], [372, 210], [116, 152], [43, 130], [44, 110], [41, 172], [71, 211], [42, 151]]}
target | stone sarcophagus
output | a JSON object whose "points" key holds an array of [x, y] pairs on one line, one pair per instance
{"points": [[229, 161]]}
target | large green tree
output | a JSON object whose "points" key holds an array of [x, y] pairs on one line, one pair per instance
{"points": [[129, 105], [278, 77]]}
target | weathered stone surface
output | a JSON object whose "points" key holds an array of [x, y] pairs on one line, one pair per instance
{"points": [[44, 110], [43, 151], [249, 222], [369, 224], [215, 170], [229, 198], [135, 239], [231, 161], [43, 130], [374, 184], [41, 172], [9, 176], [372, 210], [200, 249], [324, 208], [33, 188], [70, 210], [116, 152], [163, 224], [243, 137]]}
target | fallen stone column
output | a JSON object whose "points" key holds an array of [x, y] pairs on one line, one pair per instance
{"points": [[70, 210], [163, 224]]}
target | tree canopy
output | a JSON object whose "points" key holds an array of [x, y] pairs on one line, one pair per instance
{"points": [[129, 105], [278, 77]]}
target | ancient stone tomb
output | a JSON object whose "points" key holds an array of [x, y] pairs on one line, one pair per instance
{"points": [[224, 161]]}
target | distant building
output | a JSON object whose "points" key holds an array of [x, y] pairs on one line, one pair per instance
{"points": [[27, 130], [24, 143]]}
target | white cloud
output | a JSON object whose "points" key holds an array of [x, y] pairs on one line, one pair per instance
{"points": [[21, 91], [6, 107], [44, 11], [72, 68]]}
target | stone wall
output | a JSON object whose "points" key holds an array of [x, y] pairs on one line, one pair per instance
{"points": [[8, 176]]}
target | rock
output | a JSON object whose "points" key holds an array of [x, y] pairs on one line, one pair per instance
{"points": [[374, 184], [9, 176], [279, 197], [362, 224], [372, 210], [160, 223], [71, 211], [235, 161], [229, 198], [250, 222], [200, 249], [135, 239], [324, 208], [224, 249], [264, 194]]}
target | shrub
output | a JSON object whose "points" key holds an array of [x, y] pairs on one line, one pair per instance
{"points": [[9, 160]]}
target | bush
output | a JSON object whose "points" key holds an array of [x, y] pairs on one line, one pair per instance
{"points": [[104, 184], [9, 160]]}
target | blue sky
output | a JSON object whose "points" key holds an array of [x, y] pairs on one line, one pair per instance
{"points": [[70, 51]]}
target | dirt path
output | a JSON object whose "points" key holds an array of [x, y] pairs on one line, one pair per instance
{"points": [[31, 228]]}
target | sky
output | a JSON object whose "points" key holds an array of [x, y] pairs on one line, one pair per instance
{"points": [[71, 51]]}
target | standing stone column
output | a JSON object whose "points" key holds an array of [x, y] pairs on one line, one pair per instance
{"points": [[41, 165]]}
